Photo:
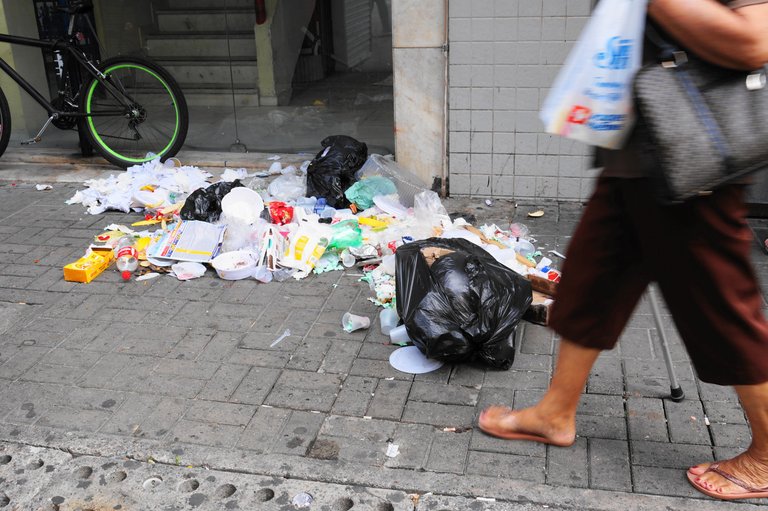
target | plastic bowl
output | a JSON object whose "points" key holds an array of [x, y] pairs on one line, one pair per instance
{"points": [[242, 204], [236, 265]]}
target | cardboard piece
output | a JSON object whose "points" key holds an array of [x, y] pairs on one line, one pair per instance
{"points": [[538, 312], [89, 266]]}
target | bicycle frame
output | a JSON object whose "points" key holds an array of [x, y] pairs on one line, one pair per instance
{"points": [[53, 113]]}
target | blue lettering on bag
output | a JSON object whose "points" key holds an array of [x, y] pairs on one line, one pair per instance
{"points": [[616, 54], [606, 122]]}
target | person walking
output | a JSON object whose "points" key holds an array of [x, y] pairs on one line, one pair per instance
{"points": [[711, 290]]}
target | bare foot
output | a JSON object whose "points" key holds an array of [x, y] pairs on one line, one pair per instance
{"points": [[741, 477], [528, 424]]}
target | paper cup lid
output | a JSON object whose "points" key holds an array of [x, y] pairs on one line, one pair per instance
{"points": [[410, 360]]}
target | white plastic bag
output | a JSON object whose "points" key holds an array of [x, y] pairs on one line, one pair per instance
{"points": [[591, 99]]}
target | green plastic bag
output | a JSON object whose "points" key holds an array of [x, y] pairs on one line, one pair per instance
{"points": [[363, 192], [346, 234]]}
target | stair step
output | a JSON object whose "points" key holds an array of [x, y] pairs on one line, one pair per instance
{"points": [[210, 4], [212, 46], [221, 97], [193, 73], [206, 20]]}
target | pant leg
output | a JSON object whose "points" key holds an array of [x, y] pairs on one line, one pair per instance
{"points": [[699, 253]]}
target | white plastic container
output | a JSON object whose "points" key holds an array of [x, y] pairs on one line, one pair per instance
{"points": [[388, 319], [399, 335], [351, 322], [242, 204], [236, 265]]}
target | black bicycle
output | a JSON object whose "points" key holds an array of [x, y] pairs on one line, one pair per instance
{"points": [[128, 108]]}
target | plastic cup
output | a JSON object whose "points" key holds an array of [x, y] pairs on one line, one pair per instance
{"points": [[399, 335], [347, 259], [388, 319], [524, 247], [351, 322]]}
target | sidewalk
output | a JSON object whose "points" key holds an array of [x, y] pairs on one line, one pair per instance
{"points": [[181, 373]]}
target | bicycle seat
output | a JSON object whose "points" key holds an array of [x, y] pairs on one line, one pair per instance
{"points": [[78, 7]]}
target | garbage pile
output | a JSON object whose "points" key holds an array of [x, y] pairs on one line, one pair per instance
{"points": [[455, 291]]}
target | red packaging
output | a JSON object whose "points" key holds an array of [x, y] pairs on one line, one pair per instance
{"points": [[280, 212]]}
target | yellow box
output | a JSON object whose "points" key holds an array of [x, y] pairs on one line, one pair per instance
{"points": [[89, 266]]}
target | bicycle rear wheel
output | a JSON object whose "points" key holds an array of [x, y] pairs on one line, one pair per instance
{"points": [[137, 115], [5, 123]]}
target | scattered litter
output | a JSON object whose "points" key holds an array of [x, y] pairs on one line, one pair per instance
{"points": [[392, 450], [536, 214], [236, 265], [706, 420], [488, 202], [302, 500], [147, 276], [188, 271], [41, 188], [352, 322], [485, 499], [230, 175], [283, 336], [412, 361], [556, 253]]}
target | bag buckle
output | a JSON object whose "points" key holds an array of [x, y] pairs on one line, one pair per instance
{"points": [[756, 80], [677, 58]]}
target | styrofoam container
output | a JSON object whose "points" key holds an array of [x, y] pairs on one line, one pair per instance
{"points": [[242, 204], [236, 265]]}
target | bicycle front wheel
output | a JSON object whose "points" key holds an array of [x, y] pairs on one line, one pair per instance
{"points": [[5, 122], [136, 113]]}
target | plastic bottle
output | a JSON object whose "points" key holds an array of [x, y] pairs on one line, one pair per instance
{"points": [[126, 256]]}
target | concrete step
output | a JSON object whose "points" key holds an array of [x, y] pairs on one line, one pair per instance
{"points": [[211, 4], [208, 74], [220, 96], [206, 45], [180, 21]]}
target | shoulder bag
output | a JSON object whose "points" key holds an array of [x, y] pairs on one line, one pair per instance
{"points": [[708, 125]]}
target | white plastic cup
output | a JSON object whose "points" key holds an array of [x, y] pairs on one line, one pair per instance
{"points": [[351, 322], [399, 335], [347, 259], [388, 319]]}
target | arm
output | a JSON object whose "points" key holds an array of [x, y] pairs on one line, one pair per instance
{"points": [[731, 38]]}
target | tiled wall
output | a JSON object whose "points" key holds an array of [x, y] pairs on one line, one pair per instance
{"points": [[503, 56]]}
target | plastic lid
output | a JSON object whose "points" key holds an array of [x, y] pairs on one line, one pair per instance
{"points": [[126, 275]]}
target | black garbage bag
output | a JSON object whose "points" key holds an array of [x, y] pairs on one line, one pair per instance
{"points": [[458, 303], [205, 203], [332, 171]]}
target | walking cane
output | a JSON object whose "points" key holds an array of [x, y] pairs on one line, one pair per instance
{"points": [[676, 392]]}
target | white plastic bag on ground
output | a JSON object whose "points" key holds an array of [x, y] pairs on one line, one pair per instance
{"points": [[591, 99], [289, 186]]}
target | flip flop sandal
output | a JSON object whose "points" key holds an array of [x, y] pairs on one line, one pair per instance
{"points": [[491, 427], [750, 493]]}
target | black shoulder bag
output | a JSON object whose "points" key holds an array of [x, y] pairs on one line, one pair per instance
{"points": [[708, 125]]}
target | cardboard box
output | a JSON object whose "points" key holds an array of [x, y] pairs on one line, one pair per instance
{"points": [[89, 266], [538, 312]]}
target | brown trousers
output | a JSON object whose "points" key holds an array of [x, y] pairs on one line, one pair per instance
{"points": [[698, 252]]}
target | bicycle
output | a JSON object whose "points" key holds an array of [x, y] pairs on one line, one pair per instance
{"points": [[128, 108]]}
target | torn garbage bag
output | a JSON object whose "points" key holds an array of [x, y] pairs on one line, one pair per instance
{"points": [[205, 203], [332, 171], [458, 303]]}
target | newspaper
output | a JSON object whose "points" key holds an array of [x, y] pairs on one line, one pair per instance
{"points": [[188, 240]]}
